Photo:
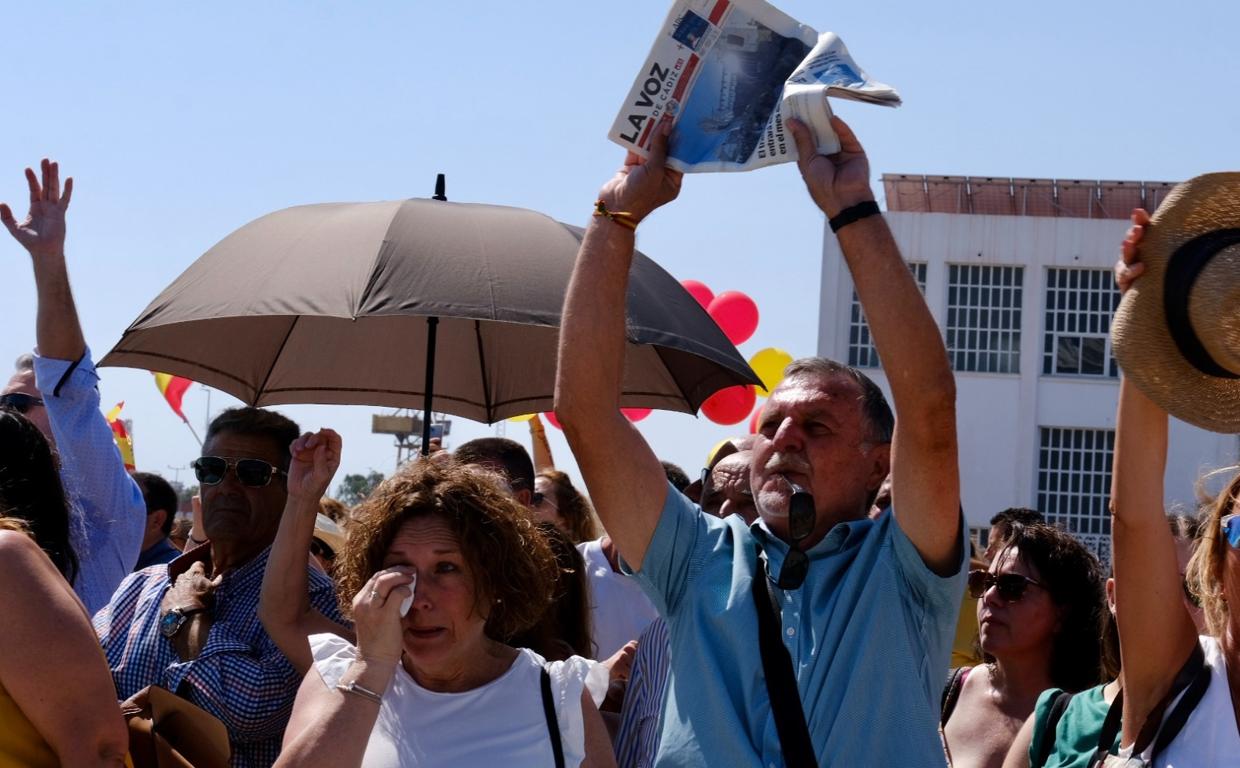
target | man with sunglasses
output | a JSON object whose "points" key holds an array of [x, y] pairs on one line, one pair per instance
{"points": [[59, 393], [192, 626], [861, 611]]}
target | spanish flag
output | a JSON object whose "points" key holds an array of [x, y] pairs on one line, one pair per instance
{"points": [[173, 389], [121, 435]]}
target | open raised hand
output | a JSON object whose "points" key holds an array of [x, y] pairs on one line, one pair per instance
{"points": [[43, 231]]}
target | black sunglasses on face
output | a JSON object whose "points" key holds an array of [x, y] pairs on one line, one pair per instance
{"points": [[252, 473], [19, 401], [1011, 586]]}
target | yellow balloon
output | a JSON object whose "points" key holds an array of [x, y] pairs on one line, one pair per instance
{"points": [[769, 364], [711, 456], [524, 417]]}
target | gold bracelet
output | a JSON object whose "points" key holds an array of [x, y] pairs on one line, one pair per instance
{"points": [[623, 218]]}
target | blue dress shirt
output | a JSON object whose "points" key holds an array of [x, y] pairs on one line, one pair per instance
{"points": [[869, 633], [109, 514]]}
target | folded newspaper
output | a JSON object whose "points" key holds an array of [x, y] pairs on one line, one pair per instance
{"points": [[728, 72]]}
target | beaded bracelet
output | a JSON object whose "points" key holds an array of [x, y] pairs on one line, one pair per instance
{"points": [[623, 218]]}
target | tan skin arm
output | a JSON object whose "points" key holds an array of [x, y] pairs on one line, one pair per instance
{"points": [[613, 457], [68, 695], [599, 752], [1155, 631], [284, 603], [543, 460], [925, 478]]}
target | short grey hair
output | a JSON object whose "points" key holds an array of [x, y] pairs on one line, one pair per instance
{"points": [[874, 407], [24, 362]]}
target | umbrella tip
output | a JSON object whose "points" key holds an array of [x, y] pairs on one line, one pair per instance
{"points": [[440, 188]]}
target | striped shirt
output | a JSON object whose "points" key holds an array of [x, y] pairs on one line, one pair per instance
{"points": [[240, 676], [637, 741]]}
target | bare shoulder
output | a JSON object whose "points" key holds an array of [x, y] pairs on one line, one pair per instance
{"points": [[21, 559]]}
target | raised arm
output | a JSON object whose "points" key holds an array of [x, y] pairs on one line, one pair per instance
{"points": [[284, 603], [613, 457], [1156, 634], [542, 447], [925, 480], [43, 235]]}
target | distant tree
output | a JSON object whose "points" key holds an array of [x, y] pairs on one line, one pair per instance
{"points": [[354, 489]]}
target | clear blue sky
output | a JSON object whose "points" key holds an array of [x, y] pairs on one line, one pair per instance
{"points": [[181, 122]]}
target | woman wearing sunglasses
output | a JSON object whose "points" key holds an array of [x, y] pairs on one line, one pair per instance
{"points": [[1038, 609], [441, 567]]}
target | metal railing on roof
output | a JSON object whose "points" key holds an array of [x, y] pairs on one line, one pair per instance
{"points": [[997, 196]]}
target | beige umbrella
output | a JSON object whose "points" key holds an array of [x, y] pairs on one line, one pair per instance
{"points": [[396, 303]]}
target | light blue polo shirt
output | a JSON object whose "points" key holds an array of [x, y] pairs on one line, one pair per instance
{"points": [[869, 632]]}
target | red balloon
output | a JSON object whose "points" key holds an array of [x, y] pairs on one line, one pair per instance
{"points": [[699, 291], [753, 420], [736, 314], [729, 406], [552, 420], [635, 414]]}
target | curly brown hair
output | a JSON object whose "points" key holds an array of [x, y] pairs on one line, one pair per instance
{"points": [[513, 568], [573, 506]]}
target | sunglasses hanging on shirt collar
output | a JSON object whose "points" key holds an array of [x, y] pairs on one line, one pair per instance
{"points": [[801, 520]]}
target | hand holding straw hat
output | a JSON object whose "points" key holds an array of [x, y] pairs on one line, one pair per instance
{"points": [[1177, 331]]}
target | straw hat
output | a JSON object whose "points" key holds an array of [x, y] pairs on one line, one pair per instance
{"points": [[326, 531], [1177, 331]]}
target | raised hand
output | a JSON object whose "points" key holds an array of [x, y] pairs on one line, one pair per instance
{"points": [[642, 185], [837, 181], [43, 231], [316, 457], [1129, 266]]}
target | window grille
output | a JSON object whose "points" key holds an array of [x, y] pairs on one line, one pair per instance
{"points": [[1079, 306], [861, 351], [983, 317], [1074, 483]]}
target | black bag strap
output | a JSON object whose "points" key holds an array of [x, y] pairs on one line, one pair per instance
{"points": [[1193, 679], [781, 684], [951, 694], [1042, 750], [553, 723]]}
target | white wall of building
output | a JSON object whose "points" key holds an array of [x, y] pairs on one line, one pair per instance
{"points": [[999, 415]]}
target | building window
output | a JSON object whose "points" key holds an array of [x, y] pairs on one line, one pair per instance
{"points": [[861, 352], [983, 317], [1079, 306], [1074, 483]]}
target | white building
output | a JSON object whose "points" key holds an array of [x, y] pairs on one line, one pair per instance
{"points": [[1018, 275]]}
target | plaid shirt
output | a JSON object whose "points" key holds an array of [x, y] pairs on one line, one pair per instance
{"points": [[241, 677]]}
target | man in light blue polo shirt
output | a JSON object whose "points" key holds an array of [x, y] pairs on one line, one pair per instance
{"points": [[870, 627]]}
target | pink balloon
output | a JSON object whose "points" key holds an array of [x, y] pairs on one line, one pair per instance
{"points": [[699, 291], [635, 414], [552, 420], [736, 314], [731, 405]]}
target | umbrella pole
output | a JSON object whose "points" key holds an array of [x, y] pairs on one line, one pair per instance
{"points": [[432, 327]]}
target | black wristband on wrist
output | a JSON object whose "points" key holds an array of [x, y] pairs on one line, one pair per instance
{"points": [[853, 213]]}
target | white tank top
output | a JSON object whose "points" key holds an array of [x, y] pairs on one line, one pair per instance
{"points": [[1209, 738], [501, 724]]}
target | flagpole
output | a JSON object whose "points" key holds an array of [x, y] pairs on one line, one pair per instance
{"points": [[191, 431]]}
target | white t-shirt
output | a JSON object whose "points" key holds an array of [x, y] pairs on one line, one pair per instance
{"points": [[1209, 736], [498, 725], [619, 609]]}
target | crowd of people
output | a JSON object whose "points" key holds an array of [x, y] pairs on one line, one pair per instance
{"points": [[813, 599]]}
